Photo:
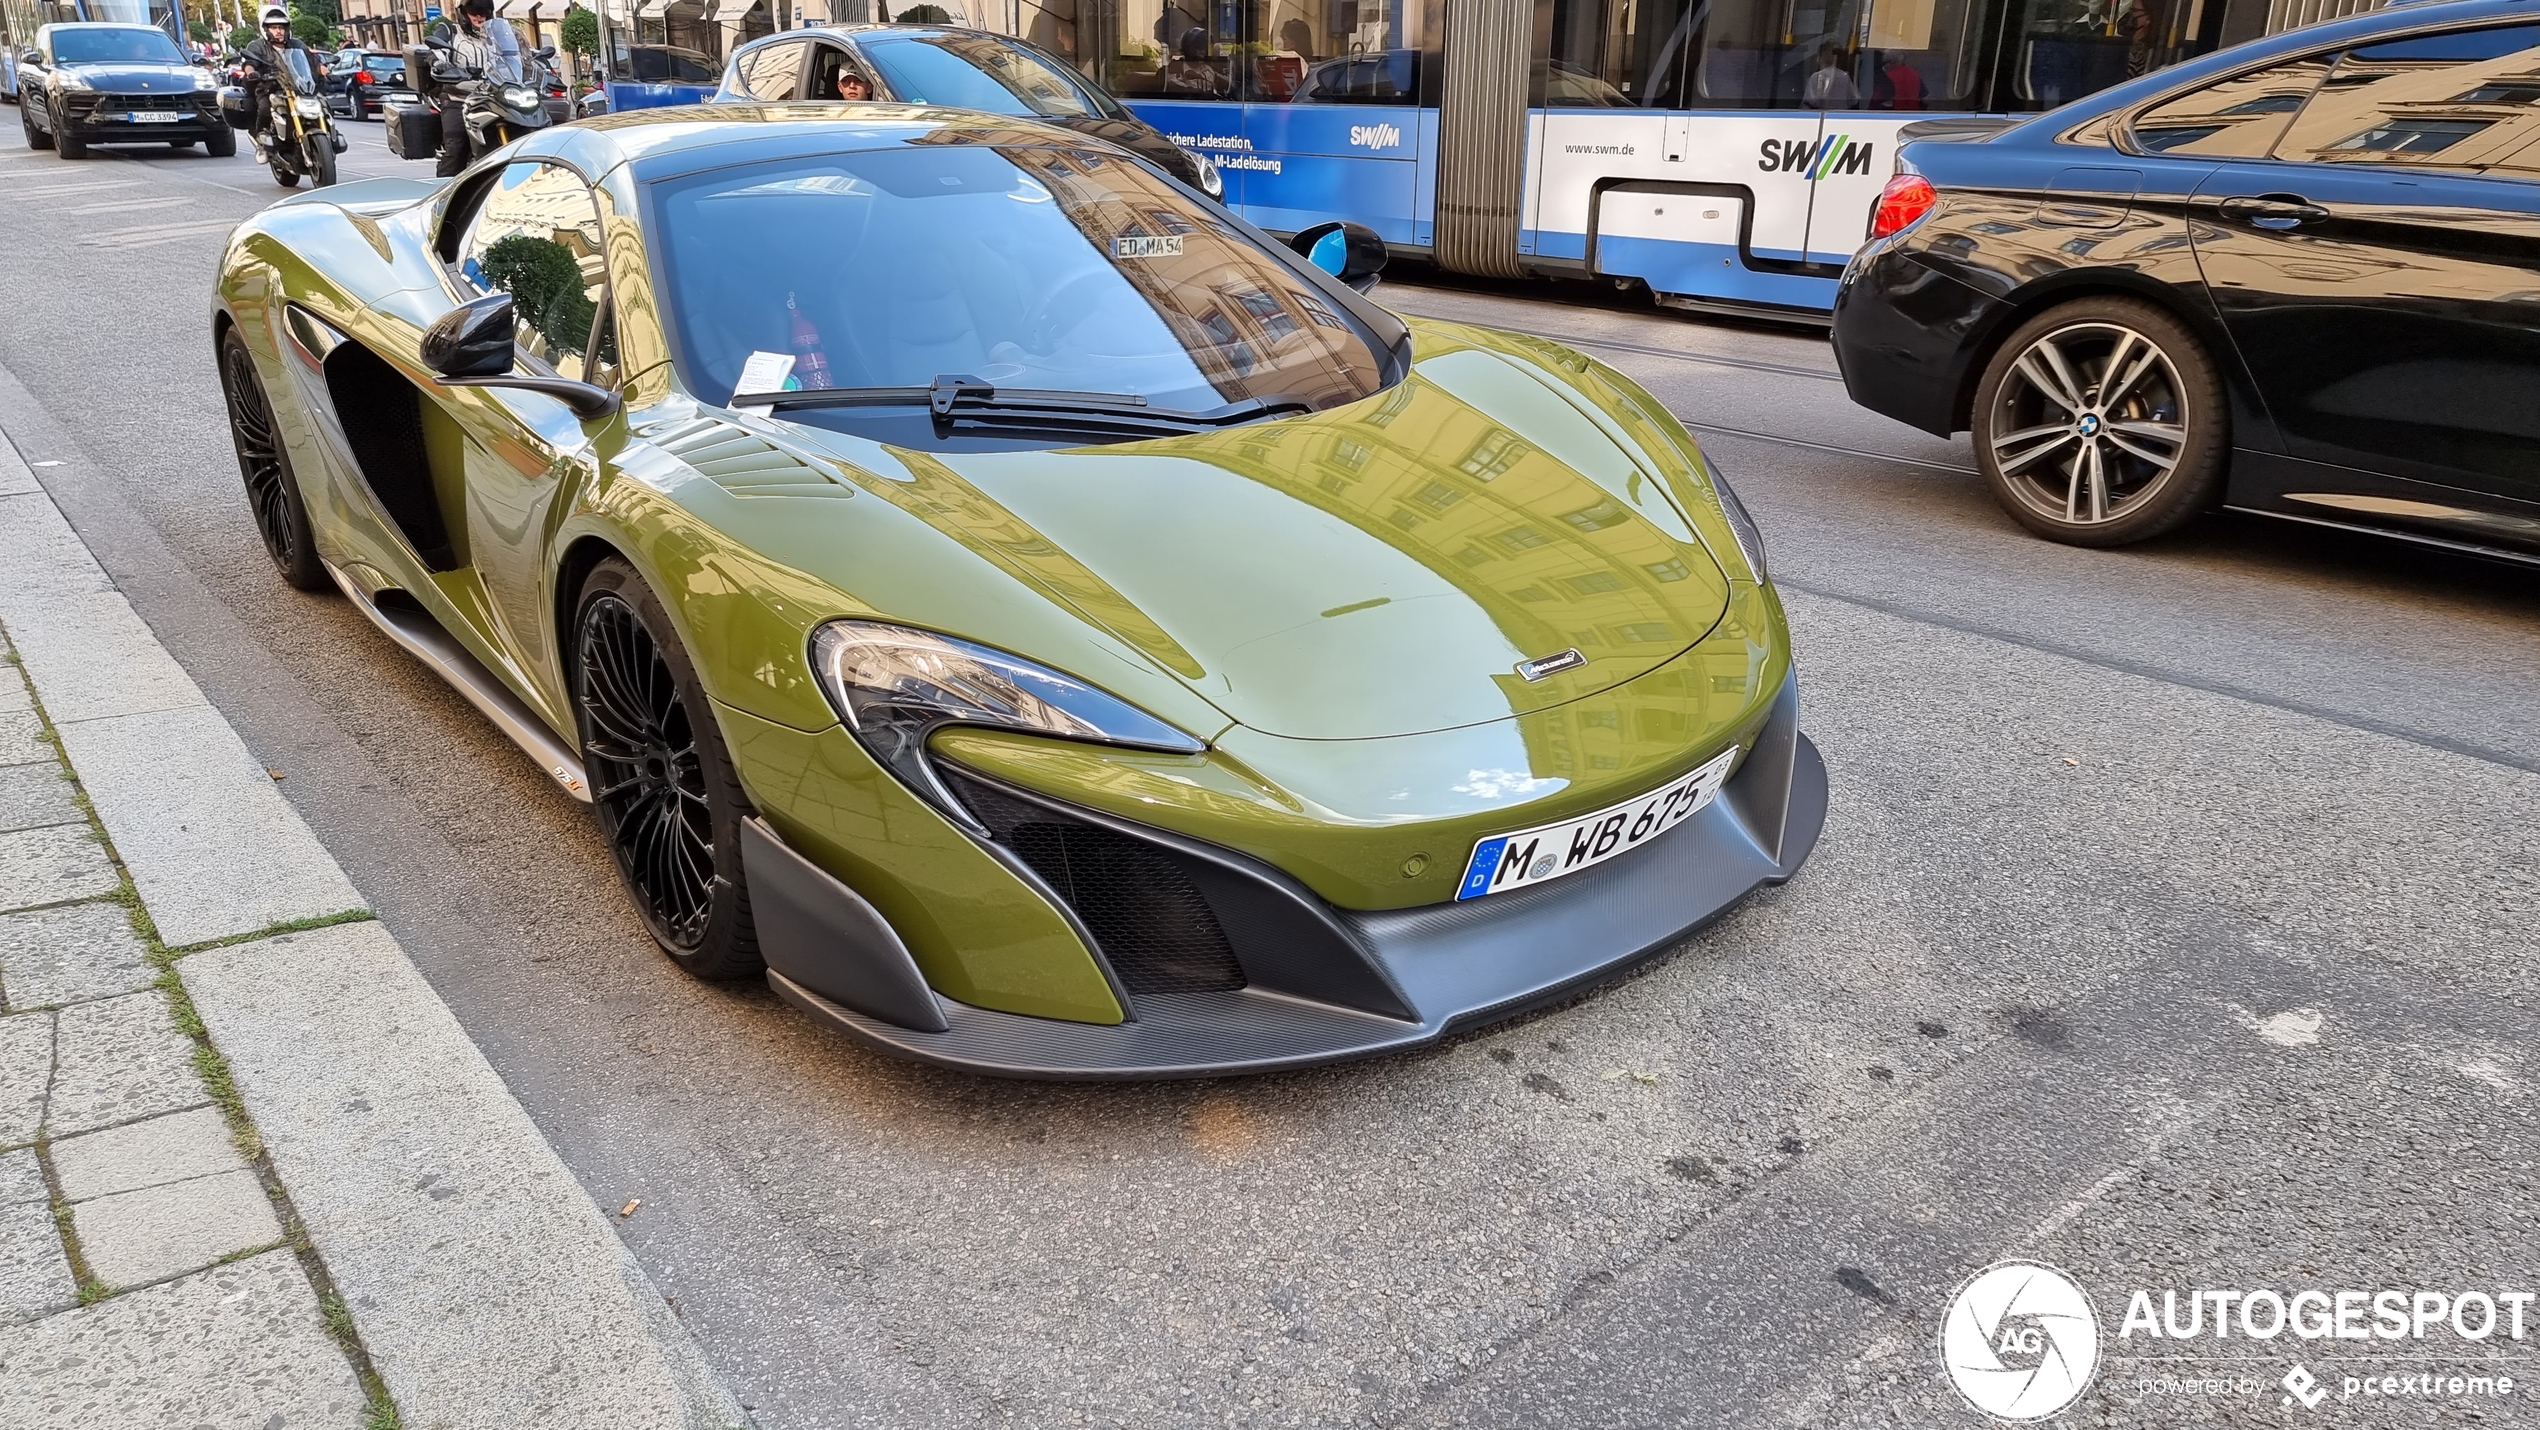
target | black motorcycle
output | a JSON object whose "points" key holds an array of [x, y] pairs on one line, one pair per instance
{"points": [[294, 136], [495, 113]]}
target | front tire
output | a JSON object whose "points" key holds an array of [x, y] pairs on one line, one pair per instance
{"points": [[2102, 422], [322, 163], [37, 139], [65, 143], [273, 493], [662, 785]]}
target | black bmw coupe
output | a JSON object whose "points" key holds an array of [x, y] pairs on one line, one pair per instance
{"points": [[2299, 277]]}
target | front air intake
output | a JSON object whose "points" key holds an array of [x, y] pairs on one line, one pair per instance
{"points": [[1145, 914]]}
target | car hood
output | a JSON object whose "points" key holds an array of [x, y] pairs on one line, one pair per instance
{"points": [[126, 78], [1133, 135], [1374, 570]]}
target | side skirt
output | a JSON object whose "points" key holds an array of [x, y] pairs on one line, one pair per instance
{"points": [[424, 639]]}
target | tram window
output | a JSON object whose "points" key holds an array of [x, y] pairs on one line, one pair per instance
{"points": [[1175, 49], [1266, 51], [2374, 106], [2065, 49], [1619, 54], [2237, 118]]}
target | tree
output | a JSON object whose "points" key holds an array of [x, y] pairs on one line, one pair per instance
{"points": [[580, 36], [546, 287], [310, 30], [580, 32], [925, 15], [201, 31], [242, 37]]}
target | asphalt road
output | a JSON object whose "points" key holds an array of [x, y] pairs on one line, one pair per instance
{"points": [[2173, 924]]}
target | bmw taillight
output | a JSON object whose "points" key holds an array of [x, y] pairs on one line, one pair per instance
{"points": [[363, 77], [1906, 198]]}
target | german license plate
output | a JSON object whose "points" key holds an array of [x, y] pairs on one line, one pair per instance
{"points": [[1540, 855], [151, 116]]}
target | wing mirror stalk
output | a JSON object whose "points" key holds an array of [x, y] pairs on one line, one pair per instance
{"points": [[1350, 252], [472, 346]]}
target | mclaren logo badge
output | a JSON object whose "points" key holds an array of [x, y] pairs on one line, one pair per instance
{"points": [[1552, 664]]}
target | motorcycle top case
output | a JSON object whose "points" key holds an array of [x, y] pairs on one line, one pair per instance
{"points": [[414, 131]]}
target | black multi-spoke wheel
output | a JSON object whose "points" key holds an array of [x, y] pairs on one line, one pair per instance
{"points": [[2101, 422], [661, 783], [273, 495]]}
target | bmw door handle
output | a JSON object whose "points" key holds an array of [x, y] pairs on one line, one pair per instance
{"points": [[2275, 211]]}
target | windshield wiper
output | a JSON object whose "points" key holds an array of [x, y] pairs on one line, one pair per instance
{"points": [[957, 396]]}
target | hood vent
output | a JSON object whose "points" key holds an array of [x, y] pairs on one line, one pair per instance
{"points": [[744, 463]]}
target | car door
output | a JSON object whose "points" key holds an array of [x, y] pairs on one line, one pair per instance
{"points": [[536, 235], [2379, 270]]}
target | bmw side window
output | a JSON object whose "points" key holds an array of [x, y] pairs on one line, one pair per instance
{"points": [[2237, 118], [537, 237], [2461, 100]]}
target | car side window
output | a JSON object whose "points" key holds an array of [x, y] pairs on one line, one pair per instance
{"points": [[537, 237], [2238, 118], [827, 61], [769, 72], [2464, 100]]}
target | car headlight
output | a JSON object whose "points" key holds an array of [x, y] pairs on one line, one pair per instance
{"points": [[1750, 540], [70, 79], [520, 96], [894, 686], [1211, 182], [203, 80]]}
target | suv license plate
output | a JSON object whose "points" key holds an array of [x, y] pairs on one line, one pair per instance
{"points": [[151, 116], [1540, 855]]}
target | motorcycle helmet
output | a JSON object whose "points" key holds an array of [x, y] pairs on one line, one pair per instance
{"points": [[271, 16]]}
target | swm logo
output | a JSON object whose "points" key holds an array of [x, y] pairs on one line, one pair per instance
{"points": [[2020, 1340], [1378, 136], [1834, 154]]}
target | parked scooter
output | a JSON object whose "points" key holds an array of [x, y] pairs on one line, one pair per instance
{"points": [[298, 137], [495, 113]]}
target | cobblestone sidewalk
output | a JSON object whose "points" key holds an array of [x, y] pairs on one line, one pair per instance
{"points": [[151, 1269]]}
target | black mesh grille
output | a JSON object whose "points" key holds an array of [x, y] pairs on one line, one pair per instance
{"points": [[1150, 920]]}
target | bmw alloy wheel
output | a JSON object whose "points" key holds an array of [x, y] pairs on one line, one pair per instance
{"points": [[2090, 423]]}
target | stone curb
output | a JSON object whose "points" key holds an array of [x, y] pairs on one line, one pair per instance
{"points": [[488, 1288]]}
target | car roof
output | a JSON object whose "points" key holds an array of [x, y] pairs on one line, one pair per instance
{"points": [[684, 138], [2253, 54], [98, 25]]}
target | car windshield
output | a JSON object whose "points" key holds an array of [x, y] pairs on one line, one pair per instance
{"points": [[982, 73], [1023, 265], [115, 46]]}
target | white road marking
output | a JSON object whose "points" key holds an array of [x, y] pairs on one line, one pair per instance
{"points": [[122, 205], [2293, 1028], [54, 190], [145, 237]]}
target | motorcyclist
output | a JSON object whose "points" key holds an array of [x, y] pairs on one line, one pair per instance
{"points": [[484, 42], [266, 51]]}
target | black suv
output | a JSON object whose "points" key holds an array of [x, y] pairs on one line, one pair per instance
{"points": [[359, 82], [83, 84]]}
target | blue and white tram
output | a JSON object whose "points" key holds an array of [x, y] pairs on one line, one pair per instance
{"points": [[1722, 152]]}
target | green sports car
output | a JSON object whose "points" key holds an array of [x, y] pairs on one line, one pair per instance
{"points": [[1038, 622]]}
